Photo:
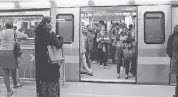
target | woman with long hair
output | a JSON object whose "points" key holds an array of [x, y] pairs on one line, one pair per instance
{"points": [[47, 74]]}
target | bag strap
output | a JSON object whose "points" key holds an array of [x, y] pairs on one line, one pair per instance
{"points": [[15, 36]]}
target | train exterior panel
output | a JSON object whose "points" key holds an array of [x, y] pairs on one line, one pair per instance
{"points": [[71, 50], [174, 22], [153, 64]]}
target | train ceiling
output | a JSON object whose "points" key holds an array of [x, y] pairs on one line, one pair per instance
{"points": [[11, 4]]}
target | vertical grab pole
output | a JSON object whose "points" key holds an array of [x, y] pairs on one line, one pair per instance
{"points": [[63, 63]]}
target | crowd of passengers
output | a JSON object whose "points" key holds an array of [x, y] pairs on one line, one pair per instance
{"points": [[98, 44]]}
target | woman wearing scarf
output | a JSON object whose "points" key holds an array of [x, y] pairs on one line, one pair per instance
{"points": [[103, 40]]}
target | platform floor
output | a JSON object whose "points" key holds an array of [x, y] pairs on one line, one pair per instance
{"points": [[107, 75], [83, 89]]}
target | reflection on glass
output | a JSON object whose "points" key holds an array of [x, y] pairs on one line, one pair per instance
{"points": [[65, 27], [23, 23], [154, 28]]}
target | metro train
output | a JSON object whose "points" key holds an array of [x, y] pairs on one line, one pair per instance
{"points": [[154, 23]]}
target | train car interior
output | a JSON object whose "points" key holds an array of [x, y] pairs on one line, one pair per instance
{"points": [[115, 18]]}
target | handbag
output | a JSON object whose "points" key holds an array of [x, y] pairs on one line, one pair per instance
{"points": [[55, 55], [17, 49]]}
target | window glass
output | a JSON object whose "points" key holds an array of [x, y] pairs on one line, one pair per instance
{"points": [[65, 27], [23, 23], [154, 27]]}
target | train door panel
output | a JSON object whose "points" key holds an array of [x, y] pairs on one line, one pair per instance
{"points": [[25, 21], [66, 24], [174, 22], [154, 25]]}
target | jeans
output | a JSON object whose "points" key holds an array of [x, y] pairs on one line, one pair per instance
{"points": [[87, 55], [103, 56], [50, 89], [84, 64]]}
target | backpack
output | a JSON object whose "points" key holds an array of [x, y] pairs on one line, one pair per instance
{"points": [[169, 49]]}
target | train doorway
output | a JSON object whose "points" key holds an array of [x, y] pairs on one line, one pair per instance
{"points": [[112, 60]]}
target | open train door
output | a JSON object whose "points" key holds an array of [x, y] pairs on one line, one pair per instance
{"points": [[154, 26]]}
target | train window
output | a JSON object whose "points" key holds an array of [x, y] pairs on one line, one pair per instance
{"points": [[23, 23], [65, 27], [154, 27]]}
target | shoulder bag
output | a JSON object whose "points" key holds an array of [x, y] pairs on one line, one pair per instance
{"points": [[17, 49], [55, 55]]}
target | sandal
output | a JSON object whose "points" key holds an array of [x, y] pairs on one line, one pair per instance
{"points": [[17, 86], [9, 93]]}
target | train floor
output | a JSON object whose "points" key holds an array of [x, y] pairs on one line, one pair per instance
{"points": [[107, 75], [84, 89]]}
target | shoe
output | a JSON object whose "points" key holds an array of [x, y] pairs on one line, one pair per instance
{"points": [[126, 77], [18, 85], [9, 93], [91, 74], [82, 72], [101, 66], [118, 77], [105, 67], [94, 62]]}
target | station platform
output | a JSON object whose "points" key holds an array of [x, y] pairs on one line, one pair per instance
{"points": [[83, 89]]}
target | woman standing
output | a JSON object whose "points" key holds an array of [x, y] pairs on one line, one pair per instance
{"points": [[95, 56], [121, 37], [47, 74], [103, 40], [84, 67], [8, 37]]}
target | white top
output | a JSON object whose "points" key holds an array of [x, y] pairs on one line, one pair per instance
{"points": [[7, 39], [82, 44]]}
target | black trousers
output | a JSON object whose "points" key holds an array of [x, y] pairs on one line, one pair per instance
{"points": [[103, 56], [113, 53], [94, 53], [134, 65], [126, 65], [176, 89], [119, 54]]}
